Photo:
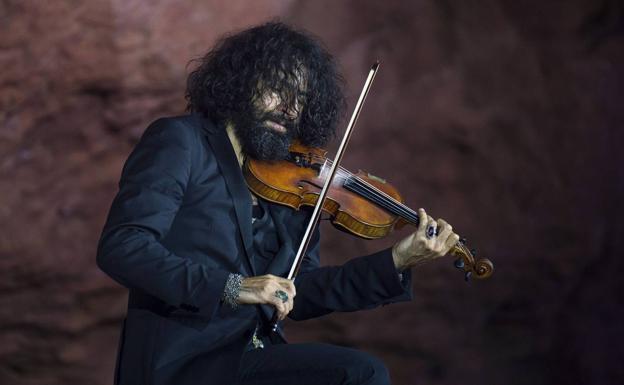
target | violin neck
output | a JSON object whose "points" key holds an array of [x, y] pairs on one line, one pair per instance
{"points": [[367, 191]]}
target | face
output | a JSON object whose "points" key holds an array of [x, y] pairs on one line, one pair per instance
{"points": [[267, 134]]}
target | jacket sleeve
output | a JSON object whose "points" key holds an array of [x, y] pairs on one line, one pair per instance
{"points": [[361, 283], [151, 191]]}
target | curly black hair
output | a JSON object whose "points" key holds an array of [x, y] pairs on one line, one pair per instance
{"points": [[272, 56]]}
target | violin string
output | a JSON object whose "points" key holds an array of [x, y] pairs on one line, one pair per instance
{"points": [[367, 185], [370, 186], [407, 212], [390, 202], [376, 198], [372, 193], [401, 209]]}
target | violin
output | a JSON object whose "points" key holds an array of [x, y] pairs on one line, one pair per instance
{"points": [[361, 204]]}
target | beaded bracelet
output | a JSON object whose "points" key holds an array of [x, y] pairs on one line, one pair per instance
{"points": [[232, 290]]}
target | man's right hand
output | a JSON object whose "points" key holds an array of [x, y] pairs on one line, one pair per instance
{"points": [[262, 290]]}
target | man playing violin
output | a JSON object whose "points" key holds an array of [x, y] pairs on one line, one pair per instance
{"points": [[204, 259]]}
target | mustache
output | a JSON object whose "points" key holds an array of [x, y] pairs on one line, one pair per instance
{"points": [[289, 124]]}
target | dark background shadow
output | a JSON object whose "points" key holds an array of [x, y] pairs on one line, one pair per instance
{"points": [[504, 117]]}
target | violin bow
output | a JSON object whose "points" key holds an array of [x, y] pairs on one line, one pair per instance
{"points": [[316, 213]]}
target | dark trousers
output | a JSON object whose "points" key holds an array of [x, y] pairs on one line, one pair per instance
{"points": [[311, 364]]}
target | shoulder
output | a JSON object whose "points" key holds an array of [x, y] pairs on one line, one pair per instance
{"points": [[185, 132], [182, 129], [184, 135]]}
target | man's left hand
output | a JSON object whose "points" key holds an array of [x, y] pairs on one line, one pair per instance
{"points": [[432, 239]]}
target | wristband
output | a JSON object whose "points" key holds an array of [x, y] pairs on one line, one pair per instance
{"points": [[232, 290]]}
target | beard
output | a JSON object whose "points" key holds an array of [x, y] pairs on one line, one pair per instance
{"points": [[261, 142]]}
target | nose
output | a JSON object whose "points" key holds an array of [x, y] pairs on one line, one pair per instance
{"points": [[287, 111]]}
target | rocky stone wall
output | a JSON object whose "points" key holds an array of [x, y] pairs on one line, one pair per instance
{"points": [[503, 117]]}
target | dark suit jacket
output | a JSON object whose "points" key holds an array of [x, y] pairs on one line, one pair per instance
{"points": [[179, 225]]}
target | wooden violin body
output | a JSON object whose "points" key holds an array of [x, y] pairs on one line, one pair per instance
{"points": [[360, 203], [295, 186]]}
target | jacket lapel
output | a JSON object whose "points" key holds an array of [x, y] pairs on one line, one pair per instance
{"points": [[241, 198]]}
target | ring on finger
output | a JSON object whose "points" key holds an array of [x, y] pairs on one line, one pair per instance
{"points": [[431, 231], [281, 294]]}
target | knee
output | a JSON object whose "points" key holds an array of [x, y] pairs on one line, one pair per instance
{"points": [[367, 369]]}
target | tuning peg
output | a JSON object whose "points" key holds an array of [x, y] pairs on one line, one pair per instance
{"points": [[467, 276], [473, 252], [463, 241], [459, 263]]}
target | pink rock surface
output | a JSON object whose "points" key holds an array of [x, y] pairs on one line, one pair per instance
{"points": [[502, 117]]}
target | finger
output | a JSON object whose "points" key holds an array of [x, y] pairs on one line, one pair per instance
{"points": [[444, 229], [289, 286], [450, 242], [271, 292], [430, 218], [422, 222], [289, 305], [280, 307], [432, 222], [431, 229], [421, 240]]}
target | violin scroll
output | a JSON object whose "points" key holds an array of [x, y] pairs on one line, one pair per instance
{"points": [[479, 268]]}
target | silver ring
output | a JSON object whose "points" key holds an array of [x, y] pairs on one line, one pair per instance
{"points": [[281, 294], [431, 231]]}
